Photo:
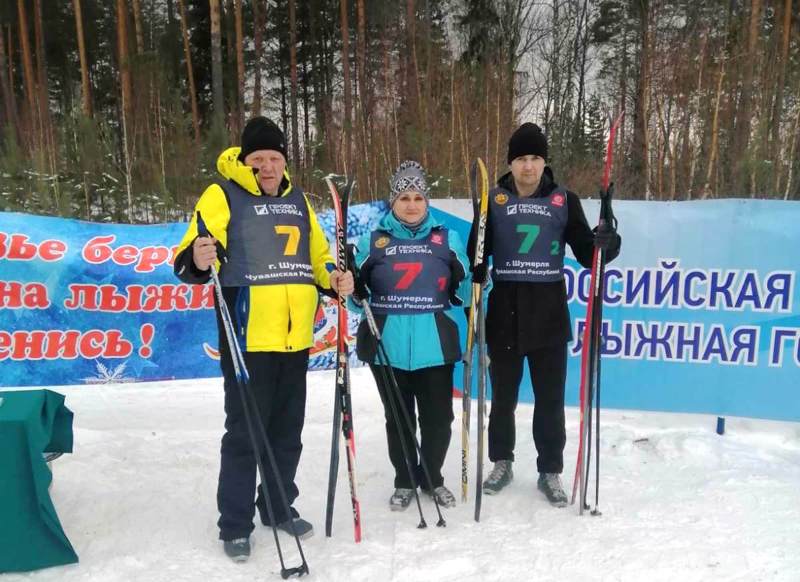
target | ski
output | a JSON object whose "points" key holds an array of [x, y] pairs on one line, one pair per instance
{"points": [[479, 186], [466, 393], [342, 411], [591, 349]]}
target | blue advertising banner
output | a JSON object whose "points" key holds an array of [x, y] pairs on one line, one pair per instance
{"points": [[702, 308]]}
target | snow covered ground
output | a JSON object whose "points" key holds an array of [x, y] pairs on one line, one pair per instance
{"points": [[680, 503]]}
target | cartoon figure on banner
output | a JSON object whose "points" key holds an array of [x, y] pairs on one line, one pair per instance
{"points": [[323, 352], [324, 328]]}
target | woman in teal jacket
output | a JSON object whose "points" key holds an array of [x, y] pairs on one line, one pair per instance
{"points": [[414, 272]]}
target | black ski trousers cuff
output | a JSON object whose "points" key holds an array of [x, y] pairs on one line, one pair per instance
{"points": [[548, 369], [278, 382], [432, 391]]}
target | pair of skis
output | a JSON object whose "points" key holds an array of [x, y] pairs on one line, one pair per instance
{"points": [[342, 409], [592, 348], [476, 331]]}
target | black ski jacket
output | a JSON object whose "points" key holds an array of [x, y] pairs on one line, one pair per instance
{"points": [[528, 316]]}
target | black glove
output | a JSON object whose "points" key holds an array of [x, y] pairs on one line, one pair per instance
{"points": [[361, 292], [480, 273], [605, 237], [350, 251]]}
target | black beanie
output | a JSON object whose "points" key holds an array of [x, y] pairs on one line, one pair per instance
{"points": [[262, 134], [527, 140]]}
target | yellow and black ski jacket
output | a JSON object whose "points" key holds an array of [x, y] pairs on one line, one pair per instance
{"points": [[269, 317]]}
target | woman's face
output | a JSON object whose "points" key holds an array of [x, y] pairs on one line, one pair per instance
{"points": [[410, 206]]}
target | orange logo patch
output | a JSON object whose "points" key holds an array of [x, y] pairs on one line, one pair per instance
{"points": [[381, 242], [501, 198]]}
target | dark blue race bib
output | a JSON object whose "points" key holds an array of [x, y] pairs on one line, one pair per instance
{"points": [[409, 276], [528, 236], [268, 239]]}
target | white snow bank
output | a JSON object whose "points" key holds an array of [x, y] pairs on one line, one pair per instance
{"points": [[137, 499]]}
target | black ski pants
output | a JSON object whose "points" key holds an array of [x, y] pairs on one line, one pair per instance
{"points": [[432, 390], [278, 381], [548, 369]]}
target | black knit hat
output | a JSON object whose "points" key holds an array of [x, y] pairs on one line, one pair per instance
{"points": [[527, 140], [262, 134]]}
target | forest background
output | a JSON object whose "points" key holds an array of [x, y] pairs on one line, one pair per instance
{"points": [[116, 110]]}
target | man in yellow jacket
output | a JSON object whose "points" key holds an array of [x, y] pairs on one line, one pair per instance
{"points": [[277, 260]]}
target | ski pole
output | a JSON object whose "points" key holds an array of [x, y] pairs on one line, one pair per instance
{"points": [[390, 380], [248, 400], [483, 361], [606, 218]]}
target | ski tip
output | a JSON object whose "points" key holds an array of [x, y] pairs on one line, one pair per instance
{"points": [[335, 180], [347, 184]]}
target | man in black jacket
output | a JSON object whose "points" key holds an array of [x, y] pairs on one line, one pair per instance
{"points": [[531, 218]]}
